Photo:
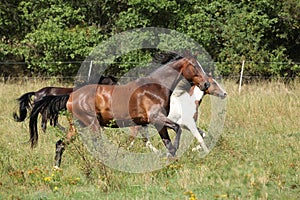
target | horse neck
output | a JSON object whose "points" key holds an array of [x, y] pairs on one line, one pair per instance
{"points": [[182, 87], [168, 75], [197, 93]]}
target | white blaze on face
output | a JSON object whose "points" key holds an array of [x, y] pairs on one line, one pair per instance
{"points": [[200, 67]]}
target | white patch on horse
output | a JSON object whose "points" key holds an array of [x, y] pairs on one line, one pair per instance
{"points": [[183, 108]]}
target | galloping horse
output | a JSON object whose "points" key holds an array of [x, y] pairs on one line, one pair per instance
{"points": [[25, 102], [140, 102], [186, 116]]}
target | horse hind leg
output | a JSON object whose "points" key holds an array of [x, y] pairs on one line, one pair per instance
{"points": [[133, 133], [61, 144], [145, 134], [151, 147], [59, 149], [45, 117]]}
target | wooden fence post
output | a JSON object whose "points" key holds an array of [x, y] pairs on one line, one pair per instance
{"points": [[241, 77], [90, 70]]}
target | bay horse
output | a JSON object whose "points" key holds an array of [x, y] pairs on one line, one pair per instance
{"points": [[140, 102], [25, 101], [185, 116]]}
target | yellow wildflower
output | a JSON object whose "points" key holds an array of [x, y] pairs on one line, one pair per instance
{"points": [[191, 195], [30, 172], [47, 179]]}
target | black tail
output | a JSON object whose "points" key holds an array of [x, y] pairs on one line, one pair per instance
{"points": [[51, 104], [25, 104]]}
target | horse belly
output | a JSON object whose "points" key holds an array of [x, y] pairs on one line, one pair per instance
{"points": [[113, 112]]}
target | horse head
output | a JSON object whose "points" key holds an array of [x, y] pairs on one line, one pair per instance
{"points": [[215, 89], [194, 73]]}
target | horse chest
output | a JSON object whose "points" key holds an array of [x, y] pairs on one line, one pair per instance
{"points": [[183, 107]]}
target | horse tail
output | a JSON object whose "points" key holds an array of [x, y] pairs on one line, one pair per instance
{"points": [[51, 104], [25, 104]]}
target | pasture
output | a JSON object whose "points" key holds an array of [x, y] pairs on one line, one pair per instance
{"points": [[256, 157]]}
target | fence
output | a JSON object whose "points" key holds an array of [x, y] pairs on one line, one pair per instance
{"points": [[9, 72]]}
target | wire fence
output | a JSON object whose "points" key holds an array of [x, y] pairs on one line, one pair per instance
{"points": [[84, 61], [72, 79], [9, 71]]}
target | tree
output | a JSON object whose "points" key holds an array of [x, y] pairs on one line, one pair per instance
{"points": [[53, 37]]}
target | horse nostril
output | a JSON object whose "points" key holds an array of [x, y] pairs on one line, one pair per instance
{"points": [[224, 95], [206, 85]]}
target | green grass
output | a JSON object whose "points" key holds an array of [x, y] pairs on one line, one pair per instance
{"points": [[256, 157]]}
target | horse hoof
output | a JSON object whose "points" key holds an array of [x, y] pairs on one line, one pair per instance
{"points": [[197, 148], [202, 133], [155, 150], [171, 158], [169, 155], [151, 147], [56, 168]]}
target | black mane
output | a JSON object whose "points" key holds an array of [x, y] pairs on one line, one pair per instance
{"points": [[165, 57]]}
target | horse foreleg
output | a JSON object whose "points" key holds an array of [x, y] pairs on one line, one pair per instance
{"points": [[202, 133], [193, 128], [177, 138], [166, 140], [161, 123]]}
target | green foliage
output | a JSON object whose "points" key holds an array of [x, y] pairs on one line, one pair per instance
{"points": [[149, 13], [58, 34], [53, 37], [235, 31]]}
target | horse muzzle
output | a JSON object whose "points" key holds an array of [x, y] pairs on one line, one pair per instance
{"points": [[223, 95]]}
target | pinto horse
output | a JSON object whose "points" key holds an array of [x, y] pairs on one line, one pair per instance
{"points": [[185, 116], [140, 102], [25, 102]]}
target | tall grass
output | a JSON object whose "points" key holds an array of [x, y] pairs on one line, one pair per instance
{"points": [[256, 157]]}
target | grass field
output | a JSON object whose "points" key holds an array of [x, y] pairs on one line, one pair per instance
{"points": [[256, 157]]}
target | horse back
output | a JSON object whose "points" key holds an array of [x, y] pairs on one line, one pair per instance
{"points": [[55, 91]]}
